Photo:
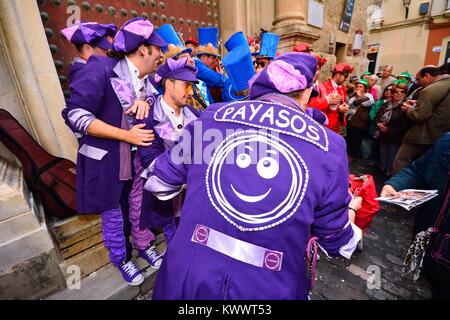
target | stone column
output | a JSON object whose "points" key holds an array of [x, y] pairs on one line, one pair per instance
{"points": [[248, 16], [30, 66], [290, 23]]}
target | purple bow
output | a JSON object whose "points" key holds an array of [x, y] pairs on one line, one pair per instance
{"points": [[285, 77], [68, 32], [142, 28], [176, 64]]}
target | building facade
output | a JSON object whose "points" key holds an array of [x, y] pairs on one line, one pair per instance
{"points": [[408, 34]]}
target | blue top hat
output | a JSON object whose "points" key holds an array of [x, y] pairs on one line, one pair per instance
{"points": [[208, 35], [269, 44], [239, 67], [208, 42], [236, 40], [170, 36]]}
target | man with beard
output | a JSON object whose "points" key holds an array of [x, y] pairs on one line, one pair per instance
{"points": [[107, 97]]}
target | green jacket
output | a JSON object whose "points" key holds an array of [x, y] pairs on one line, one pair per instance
{"points": [[431, 116]]}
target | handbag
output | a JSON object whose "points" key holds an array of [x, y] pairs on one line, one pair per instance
{"points": [[430, 246], [440, 239], [364, 187]]}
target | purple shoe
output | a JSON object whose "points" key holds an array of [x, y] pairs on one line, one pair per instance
{"points": [[131, 274], [151, 256]]}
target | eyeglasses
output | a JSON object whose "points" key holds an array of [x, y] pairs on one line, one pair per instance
{"points": [[260, 64]]}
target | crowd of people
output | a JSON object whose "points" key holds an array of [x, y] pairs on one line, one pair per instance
{"points": [[251, 230]]}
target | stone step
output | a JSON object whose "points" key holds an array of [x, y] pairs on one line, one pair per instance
{"points": [[15, 226], [26, 247], [107, 284], [13, 192]]}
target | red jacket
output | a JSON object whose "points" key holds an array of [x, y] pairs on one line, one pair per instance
{"points": [[335, 118], [320, 102]]}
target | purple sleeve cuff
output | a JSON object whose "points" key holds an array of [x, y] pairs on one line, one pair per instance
{"points": [[80, 119]]}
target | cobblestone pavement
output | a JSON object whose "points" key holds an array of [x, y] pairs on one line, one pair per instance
{"points": [[384, 246]]}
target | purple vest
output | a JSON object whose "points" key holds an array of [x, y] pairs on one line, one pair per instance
{"points": [[275, 180]]}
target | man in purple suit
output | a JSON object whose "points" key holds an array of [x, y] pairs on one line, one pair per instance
{"points": [[107, 97], [169, 115], [274, 189], [89, 38]]}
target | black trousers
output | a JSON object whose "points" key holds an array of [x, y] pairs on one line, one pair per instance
{"points": [[354, 140]]}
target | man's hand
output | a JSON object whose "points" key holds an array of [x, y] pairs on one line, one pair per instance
{"points": [[343, 108], [334, 98], [388, 191], [139, 136], [409, 104], [140, 108], [382, 127]]}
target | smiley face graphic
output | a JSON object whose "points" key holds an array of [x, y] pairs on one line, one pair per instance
{"points": [[255, 180]]}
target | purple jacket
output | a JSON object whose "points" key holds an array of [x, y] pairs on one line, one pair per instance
{"points": [[155, 212], [252, 208], [102, 90], [74, 69]]}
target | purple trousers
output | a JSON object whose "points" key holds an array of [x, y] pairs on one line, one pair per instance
{"points": [[114, 236], [141, 237]]}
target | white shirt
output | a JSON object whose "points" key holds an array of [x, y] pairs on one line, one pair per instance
{"points": [[138, 84], [176, 121]]}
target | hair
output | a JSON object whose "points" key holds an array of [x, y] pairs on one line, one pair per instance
{"points": [[295, 94], [431, 70], [387, 89], [79, 47], [374, 77], [402, 86], [164, 81], [120, 55], [445, 68], [390, 66]]}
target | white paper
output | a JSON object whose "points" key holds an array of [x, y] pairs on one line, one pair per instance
{"points": [[410, 198]]}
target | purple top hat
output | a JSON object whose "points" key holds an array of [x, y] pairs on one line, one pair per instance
{"points": [[89, 33], [134, 33], [178, 70], [287, 73]]}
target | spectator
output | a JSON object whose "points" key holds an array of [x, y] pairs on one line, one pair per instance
{"points": [[374, 89], [430, 115], [392, 123], [351, 85], [445, 68], [373, 128], [358, 118], [430, 172], [366, 75], [386, 77]]}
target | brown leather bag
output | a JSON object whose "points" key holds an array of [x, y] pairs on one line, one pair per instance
{"points": [[53, 178]]}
